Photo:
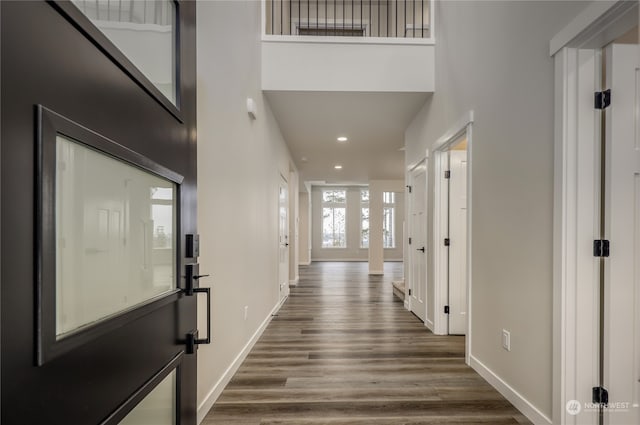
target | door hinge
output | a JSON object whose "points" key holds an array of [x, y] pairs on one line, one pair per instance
{"points": [[447, 174], [603, 99], [409, 241], [409, 188], [600, 395], [447, 242], [409, 291], [601, 248], [446, 309]]}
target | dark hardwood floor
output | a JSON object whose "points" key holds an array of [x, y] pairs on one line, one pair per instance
{"points": [[343, 350]]}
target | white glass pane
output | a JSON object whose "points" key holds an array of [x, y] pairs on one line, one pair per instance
{"points": [[115, 243], [364, 228], [144, 30], [364, 196], [388, 227], [158, 407], [334, 196], [333, 228]]}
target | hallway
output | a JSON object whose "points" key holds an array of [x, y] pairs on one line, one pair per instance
{"points": [[343, 350]]}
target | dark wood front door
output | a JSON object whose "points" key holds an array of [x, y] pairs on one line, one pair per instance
{"points": [[94, 319]]}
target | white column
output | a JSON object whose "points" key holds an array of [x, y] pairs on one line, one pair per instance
{"points": [[376, 206], [376, 252]]}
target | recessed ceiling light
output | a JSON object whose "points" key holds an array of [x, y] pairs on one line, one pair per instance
{"points": [[342, 139], [304, 159], [338, 167]]}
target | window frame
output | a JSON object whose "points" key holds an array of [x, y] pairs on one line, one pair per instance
{"points": [[50, 126], [392, 206], [74, 15], [333, 205], [363, 205]]}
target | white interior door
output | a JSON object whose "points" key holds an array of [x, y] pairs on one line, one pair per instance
{"points": [[458, 242], [417, 248], [622, 221], [283, 237]]}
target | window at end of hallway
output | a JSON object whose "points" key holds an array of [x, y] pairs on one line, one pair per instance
{"points": [[388, 220], [334, 213], [364, 218]]}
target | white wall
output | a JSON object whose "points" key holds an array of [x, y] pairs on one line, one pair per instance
{"points": [[353, 252], [239, 167], [294, 227], [304, 241], [360, 67], [492, 58]]}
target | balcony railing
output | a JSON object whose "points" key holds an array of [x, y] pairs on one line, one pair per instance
{"points": [[158, 12], [349, 18]]}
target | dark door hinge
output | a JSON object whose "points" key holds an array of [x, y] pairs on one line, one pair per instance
{"points": [[447, 242], [409, 188], [603, 99], [409, 241], [600, 395], [447, 174], [446, 309], [409, 291], [601, 248]]}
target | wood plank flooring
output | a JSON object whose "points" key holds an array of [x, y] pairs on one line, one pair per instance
{"points": [[343, 350]]}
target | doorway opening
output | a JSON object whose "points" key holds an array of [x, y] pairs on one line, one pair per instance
{"points": [[283, 238], [451, 234], [597, 222], [417, 293]]}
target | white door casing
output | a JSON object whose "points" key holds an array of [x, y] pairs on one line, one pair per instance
{"points": [[283, 238], [622, 228], [458, 242], [417, 249]]}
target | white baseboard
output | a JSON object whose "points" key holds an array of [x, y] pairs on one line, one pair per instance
{"points": [[341, 260], [522, 404], [406, 304], [429, 324], [219, 386], [376, 272], [304, 263], [294, 281]]}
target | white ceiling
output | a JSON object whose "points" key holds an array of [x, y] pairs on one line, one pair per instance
{"points": [[373, 122]]}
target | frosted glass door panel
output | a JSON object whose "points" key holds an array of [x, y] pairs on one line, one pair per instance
{"points": [[115, 236], [158, 407], [144, 30]]}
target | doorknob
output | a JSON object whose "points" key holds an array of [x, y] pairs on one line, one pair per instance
{"points": [[420, 249]]}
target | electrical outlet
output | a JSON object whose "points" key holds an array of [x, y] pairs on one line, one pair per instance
{"points": [[506, 340], [246, 311]]}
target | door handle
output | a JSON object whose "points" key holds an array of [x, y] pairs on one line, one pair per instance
{"points": [[192, 337], [192, 275], [420, 249], [286, 244]]}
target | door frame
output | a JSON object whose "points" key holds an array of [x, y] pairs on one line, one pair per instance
{"points": [[464, 126], [411, 225], [283, 293], [576, 187]]}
